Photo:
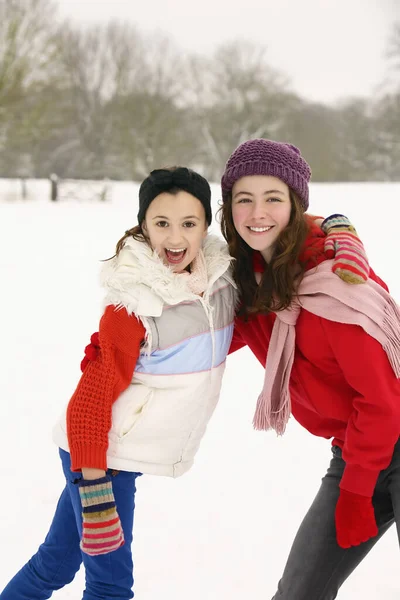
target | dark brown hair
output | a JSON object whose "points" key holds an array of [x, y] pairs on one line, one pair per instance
{"points": [[282, 274], [137, 232]]}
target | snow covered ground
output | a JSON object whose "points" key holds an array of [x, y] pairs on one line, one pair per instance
{"points": [[223, 530]]}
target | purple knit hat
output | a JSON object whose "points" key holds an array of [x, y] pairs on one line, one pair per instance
{"points": [[266, 157]]}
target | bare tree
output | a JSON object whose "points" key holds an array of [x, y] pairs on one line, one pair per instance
{"points": [[102, 62], [27, 45], [28, 53], [387, 111], [240, 97], [393, 52], [165, 69], [99, 64]]}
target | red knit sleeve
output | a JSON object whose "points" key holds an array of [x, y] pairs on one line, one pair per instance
{"points": [[104, 379]]}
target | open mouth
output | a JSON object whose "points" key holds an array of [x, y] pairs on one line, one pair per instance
{"points": [[260, 229], [175, 255]]}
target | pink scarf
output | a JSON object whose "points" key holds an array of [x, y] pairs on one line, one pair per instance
{"points": [[323, 293], [197, 279]]}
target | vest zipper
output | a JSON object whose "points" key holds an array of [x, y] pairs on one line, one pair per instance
{"points": [[208, 311]]}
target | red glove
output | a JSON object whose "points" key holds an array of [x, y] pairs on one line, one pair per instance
{"points": [[91, 350], [355, 519]]}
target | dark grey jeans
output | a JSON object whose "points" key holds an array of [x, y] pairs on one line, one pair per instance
{"points": [[317, 566]]}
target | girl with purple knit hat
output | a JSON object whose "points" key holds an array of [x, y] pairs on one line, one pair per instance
{"points": [[331, 354]]}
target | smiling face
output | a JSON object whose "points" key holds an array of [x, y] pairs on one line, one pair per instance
{"points": [[261, 209], [176, 227]]}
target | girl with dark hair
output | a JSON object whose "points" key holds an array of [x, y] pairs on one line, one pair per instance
{"points": [[143, 405]]}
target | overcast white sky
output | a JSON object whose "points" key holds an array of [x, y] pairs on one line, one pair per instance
{"points": [[329, 48]]}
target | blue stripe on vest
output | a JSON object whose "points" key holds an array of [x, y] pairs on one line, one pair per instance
{"points": [[189, 356]]}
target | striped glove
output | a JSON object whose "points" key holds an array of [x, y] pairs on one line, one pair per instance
{"points": [[345, 247], [102, 530]]}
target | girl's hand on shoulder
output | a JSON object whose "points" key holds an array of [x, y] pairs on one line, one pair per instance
{"points": [[342, 243]]}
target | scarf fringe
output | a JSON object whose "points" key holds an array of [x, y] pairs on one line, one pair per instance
{"points": [[265, 418], [390, 328]]}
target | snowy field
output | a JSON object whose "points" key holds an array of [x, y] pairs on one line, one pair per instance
{"points": [[223, 531]]}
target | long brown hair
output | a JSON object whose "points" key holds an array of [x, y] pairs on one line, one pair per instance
{"points": [[282, 274]]}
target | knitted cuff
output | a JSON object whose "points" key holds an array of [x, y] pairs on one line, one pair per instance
{"points": [[337, 221], [96, 493]]}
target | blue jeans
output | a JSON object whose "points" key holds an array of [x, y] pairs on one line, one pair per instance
{"points": [[108, 576], [317, 566]]}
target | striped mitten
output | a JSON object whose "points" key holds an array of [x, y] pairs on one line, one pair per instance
{"points": [[102, 530], [345, 247]]}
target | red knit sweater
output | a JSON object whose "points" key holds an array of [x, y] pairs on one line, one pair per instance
{"points": [[104, 379], [342, 385]]}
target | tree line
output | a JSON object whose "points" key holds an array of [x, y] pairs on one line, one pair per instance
{"points": [[109, 101]]}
